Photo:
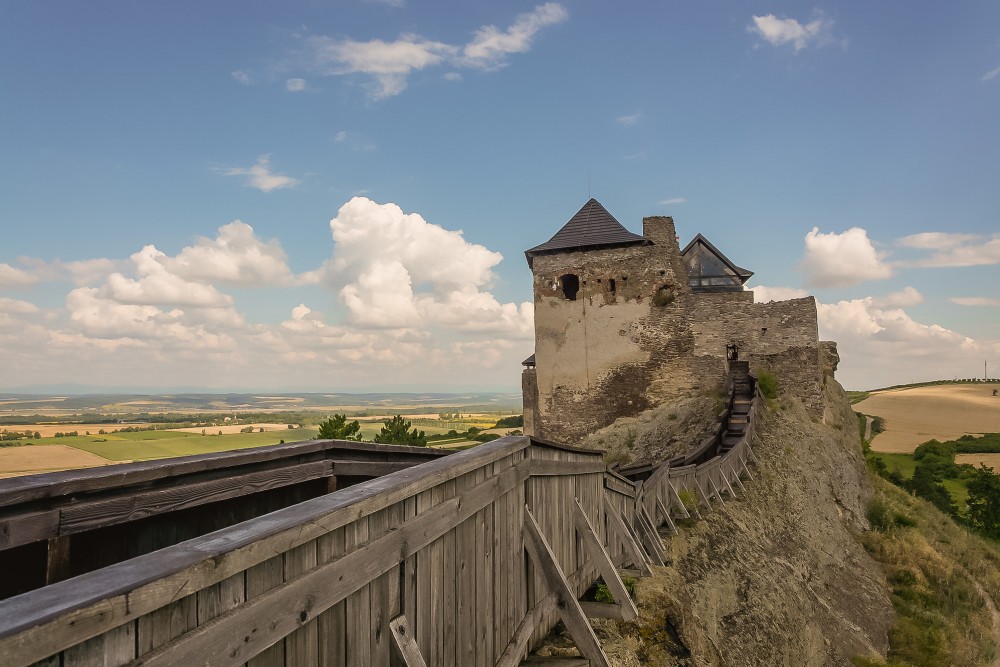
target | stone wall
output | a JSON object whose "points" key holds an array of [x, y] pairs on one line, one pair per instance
{"points": [[627, 333]]}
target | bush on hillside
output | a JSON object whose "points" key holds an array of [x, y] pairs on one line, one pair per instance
{"points": [[768, 384]]}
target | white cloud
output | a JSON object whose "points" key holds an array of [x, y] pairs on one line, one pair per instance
{"points": [[628, 120], [779, 32], [242, 77], [975, 301], [236, 256], [672, 200], [490, 45], [396, 270], [156, 285], [842, 260], [764, 294], [935, 240], [13, 277], [882, 345], [295, 85], [992, 74], [340, 137], [953, 250], [904, 298], [261, 177], [390, 63]]}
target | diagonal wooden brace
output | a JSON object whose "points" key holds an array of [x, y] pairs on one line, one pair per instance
{"points": [[567, 605], [405, 643], [618, 525], [597, 554]]}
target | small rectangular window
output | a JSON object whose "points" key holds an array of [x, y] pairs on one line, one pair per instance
{"points": [[611, 285]]}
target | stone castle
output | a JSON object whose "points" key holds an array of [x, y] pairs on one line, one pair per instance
{"points": [[625, 322]]}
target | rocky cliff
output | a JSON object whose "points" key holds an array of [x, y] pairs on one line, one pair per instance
{"points": [[777, 576]]}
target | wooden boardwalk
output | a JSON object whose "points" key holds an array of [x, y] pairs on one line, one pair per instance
{"points": [[465, 559]]}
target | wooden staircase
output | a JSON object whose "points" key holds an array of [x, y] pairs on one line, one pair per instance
{"points": [[744, 387]]}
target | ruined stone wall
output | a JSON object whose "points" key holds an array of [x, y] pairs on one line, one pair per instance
{"points": [[781, 337], [600, 356], [529, 400]]}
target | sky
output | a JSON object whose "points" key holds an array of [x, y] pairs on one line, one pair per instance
{"points": [[336, 196]]}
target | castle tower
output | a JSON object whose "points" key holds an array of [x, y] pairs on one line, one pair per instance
{"points": [[606, 301]]}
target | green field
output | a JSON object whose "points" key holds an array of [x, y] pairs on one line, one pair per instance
{"points": [[145, 445], [905, 464]]}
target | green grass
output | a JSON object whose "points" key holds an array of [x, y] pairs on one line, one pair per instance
{"points": [[857, 396], [165, 444], [905, 464]]}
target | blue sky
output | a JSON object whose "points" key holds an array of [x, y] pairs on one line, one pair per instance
{"points": [[849, 151]]}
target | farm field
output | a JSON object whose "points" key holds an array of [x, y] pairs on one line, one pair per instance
{"points": [[991, 460], [940, 412], [35, 459]]}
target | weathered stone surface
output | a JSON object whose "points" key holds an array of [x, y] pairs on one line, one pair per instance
{"points": [[618, 331]]}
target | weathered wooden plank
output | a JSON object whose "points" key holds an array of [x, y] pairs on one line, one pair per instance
{"points": [[541, 468], [234, 637], [221, 597], [112, 649], [87, 515], [426, 565], [598, 556], [406, 646], [483, 577], [601, 609], [449, 586], [649, 537], [72, 482], [369, 468], [28, 527], [58, 555], [569, 608], [260, 579], [50, 619], [620, 528], [302, 645], [173, 620], [359, 622], [511, 656], [332, 623], [383, 608], [465, 601], [666, 516]]}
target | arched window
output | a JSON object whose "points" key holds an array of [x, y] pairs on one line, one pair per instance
{"points": [[570, 285]]}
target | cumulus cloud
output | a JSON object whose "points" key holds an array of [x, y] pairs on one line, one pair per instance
{"points": [[295, 85], [261, 177], [952, 250], [882, 345], [397, 270], [764, 294], [782, 31], [235, 256], [157, 285], [13, 277], [842, 260], [390, 63], [975, 301]]}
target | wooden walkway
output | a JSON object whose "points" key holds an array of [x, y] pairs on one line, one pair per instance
{"points": [[467, 559]]}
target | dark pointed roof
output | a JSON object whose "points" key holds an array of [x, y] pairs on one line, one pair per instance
{"points": [[744, 274], [591, 227]]}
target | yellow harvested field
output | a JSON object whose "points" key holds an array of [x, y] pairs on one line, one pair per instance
{"points": [[35, 459], [942, 412], [231, 428], [992, 460]]}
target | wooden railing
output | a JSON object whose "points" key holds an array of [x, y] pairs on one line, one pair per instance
{"points": [[469, 559]]}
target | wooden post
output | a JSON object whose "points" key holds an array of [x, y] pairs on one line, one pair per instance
{"points": [[666, 516], [57, 563], [592, 545], [566, 603], [680, 503], [617, 524], [405, 643]]}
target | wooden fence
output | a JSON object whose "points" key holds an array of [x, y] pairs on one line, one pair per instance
{"points": [[469, 559]]}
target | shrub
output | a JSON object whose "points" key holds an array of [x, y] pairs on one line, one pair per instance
{"points": [[878, 515], [768, 384]]}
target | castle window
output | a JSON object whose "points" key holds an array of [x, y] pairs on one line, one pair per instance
{"points": [[570, 286], [611, 285]]}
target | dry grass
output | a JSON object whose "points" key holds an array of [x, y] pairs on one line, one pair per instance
{"points": [[942, 412], [35, 459], [231, 428], [49, 430]]}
